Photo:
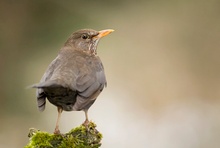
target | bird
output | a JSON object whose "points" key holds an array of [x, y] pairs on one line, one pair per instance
{"points": [[76, 77]]}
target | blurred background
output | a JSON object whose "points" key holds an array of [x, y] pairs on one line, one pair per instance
{"points": [[162, 65]]}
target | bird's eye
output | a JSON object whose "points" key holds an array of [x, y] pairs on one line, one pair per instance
{"points": [[85, 36]]}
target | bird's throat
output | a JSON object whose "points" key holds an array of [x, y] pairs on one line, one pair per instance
{"points": [[93, 47]]}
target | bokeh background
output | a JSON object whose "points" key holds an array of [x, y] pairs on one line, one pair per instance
{"points": [[162, 65]]}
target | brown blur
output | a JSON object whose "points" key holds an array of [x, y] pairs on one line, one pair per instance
{"points": [[162, 66]]}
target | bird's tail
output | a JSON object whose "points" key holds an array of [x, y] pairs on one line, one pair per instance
{"points": [[50, 83]]}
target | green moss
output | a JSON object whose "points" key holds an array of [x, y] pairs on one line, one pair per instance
{"points": [[79, 137]]}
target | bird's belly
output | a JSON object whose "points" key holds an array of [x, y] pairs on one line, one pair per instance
{"points": [[66, 103], [61, 97]]}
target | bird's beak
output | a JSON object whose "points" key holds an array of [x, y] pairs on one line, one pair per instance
{"points": [[95, 39], [103, 33]]}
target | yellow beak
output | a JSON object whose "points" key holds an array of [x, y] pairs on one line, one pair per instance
{"points": [[103, 33]]}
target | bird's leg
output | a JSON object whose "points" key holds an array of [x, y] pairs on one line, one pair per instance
{"points": [[57, 131], [86, 122]]}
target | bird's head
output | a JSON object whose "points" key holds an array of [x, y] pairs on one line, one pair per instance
{"points": [[86, 39]]}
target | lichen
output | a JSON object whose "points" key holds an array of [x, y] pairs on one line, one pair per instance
{"points": [[79, 137]]}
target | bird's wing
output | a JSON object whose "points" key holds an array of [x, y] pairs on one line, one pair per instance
{"points": [[41, 97], [89, 82]]}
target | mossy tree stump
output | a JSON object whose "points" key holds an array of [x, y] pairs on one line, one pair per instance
{"points": [[79, 137]]}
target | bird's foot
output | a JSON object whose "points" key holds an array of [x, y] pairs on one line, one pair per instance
{"points": [[57, 132], [86, 123]]}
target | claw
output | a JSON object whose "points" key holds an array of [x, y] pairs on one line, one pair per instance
{"points": [[86, 124], [57, 132]]}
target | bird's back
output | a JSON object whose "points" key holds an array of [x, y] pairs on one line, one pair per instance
{"points": [[72, 81]]}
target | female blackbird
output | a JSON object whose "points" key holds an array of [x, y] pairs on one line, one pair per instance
{"points": [[76, 77]]}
